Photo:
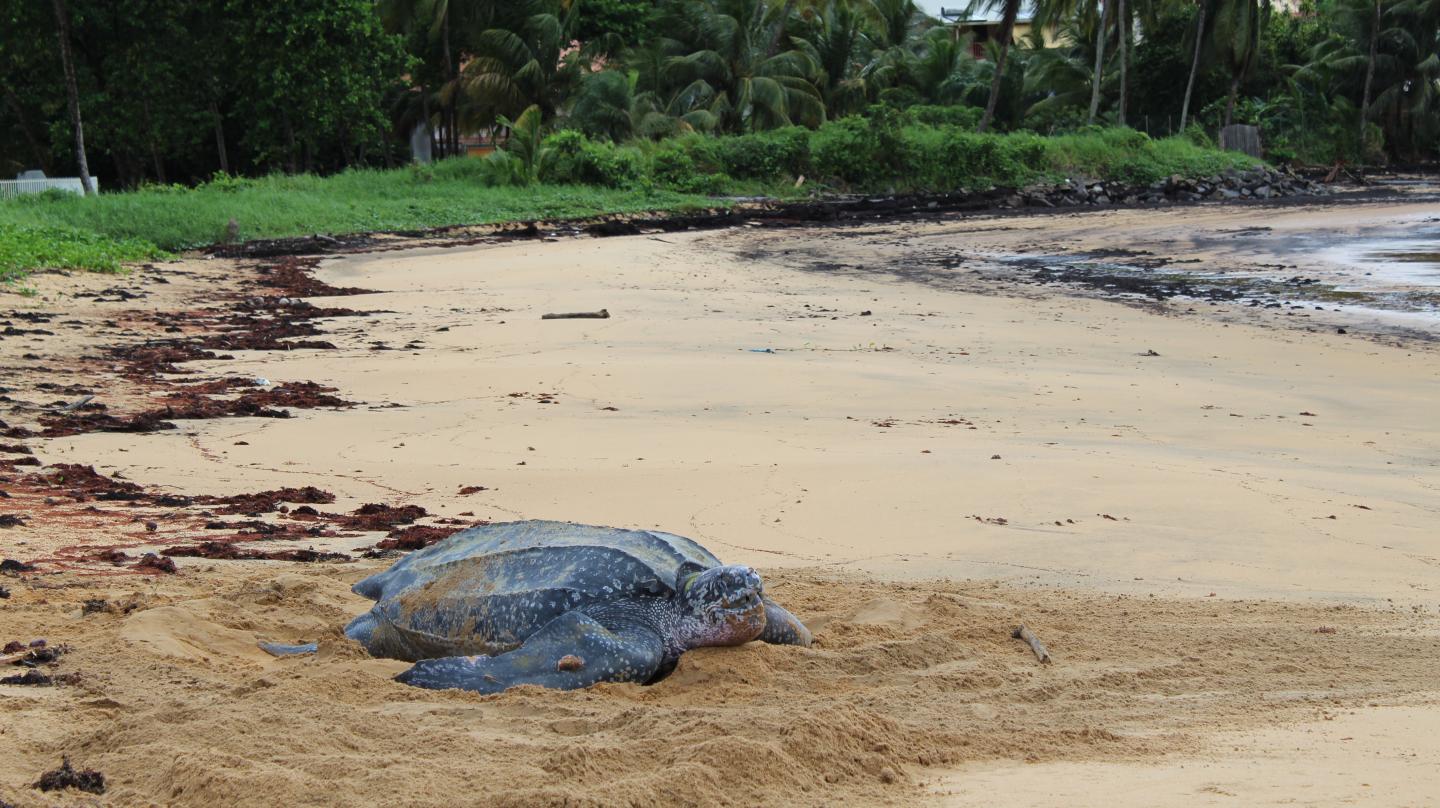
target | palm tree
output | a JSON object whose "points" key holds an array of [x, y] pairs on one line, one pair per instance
{"points": [[1369, 70], [608, 105], [1060, 76], [1010, 9], [1201, 6], [604, 105], [1407, 73], [894, 23], [1099, 72], [1122, 20], [1403, 74], [727, 68], [837, 44], [432, 19], [519, 66], [72, 93], [943, 69], [1236, 38]]}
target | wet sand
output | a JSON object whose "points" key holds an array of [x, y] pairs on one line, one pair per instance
{"points": [[1222, 523]]}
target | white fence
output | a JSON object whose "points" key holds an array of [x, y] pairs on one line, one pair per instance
{"points": [[9, 189]]}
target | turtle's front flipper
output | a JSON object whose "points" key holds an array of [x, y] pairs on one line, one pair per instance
{"points": [[572, 651], [782, 627]]}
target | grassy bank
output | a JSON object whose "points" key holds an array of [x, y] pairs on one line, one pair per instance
{"points": [[577, 177], [174, 218], [26, 247]]}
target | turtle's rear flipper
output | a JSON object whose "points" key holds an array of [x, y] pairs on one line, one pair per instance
{"points": [[571, 651], [280, 649], [782, 627]]}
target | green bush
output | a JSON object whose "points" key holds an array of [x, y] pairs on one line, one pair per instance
{"points": [[672, 166], [463, 169], [228, 183], [949, 158], [1196, 135], [865, 152], [500, 169], [776, 154], [575, 159], [932, 115]]}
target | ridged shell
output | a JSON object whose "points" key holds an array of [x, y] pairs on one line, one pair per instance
{"points": [[484, 590]]}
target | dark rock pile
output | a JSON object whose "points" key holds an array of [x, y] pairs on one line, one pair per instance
{"points": [[1254, 183]]}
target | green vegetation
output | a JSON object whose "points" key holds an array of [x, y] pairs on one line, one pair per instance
{"points": [[178, 91], [25, 247], [175, 218], [293, 117], [567, 174]]}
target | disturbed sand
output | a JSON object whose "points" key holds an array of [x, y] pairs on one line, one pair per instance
{"points": [[1222, 523]]}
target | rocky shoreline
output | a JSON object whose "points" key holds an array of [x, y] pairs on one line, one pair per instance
{"points": [[1256, 183]]}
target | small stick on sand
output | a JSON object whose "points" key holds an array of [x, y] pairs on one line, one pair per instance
{"points": [[1023, 633], [11, 659], [602, 314]]}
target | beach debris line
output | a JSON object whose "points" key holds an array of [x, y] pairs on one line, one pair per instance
{"points": [[603, 314], [1022, 632]]}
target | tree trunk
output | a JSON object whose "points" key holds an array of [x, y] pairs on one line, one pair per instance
{"points": [[430, 130], [220, 137], [1194, 65], [42, 160], [150, 139], [1099, 63], [1007, 28], [452, 138], [1122, 21], [779, 30], [1230, 101], [72, 91], [1369, 79], [1252, 45], [290, 156]]}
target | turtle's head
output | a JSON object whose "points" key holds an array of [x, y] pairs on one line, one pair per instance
{"points": [[723, 606]]}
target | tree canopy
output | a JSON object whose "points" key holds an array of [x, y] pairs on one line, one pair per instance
{"points": [[175, 92]]}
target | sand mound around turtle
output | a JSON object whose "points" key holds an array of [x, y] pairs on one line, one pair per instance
{"points": [[175, 705]]}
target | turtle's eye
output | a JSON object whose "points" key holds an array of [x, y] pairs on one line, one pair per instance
{"points": [[724, 589]]}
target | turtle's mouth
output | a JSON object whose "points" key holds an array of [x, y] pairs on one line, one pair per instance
{"points": [[742, 602]]}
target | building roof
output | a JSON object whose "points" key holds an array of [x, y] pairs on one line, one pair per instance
{"points": [[960, 12]]}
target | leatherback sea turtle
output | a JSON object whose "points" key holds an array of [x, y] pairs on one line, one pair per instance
{"points": [[559, 605]]}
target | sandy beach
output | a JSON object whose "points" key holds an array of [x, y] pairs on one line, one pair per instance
{"points": [[1220, 517]]}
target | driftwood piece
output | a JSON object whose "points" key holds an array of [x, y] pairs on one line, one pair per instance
{"points": [[11, 659], [77, 404], [1024, 633], [602, 314]]}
